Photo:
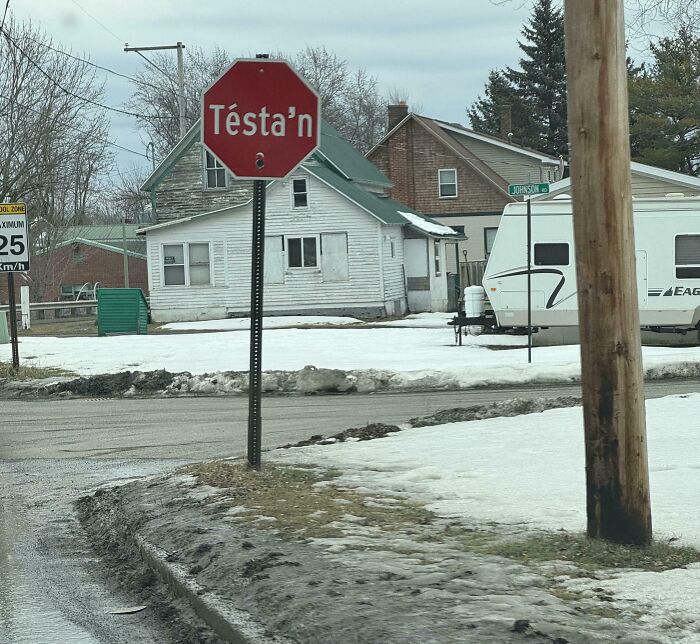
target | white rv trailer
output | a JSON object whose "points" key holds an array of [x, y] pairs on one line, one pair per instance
{"points": [[667, 240]]}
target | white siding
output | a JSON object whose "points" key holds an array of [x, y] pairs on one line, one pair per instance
{"points": [[302, 289], [511, 165]]}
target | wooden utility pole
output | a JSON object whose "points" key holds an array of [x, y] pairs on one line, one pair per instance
{"points": [[617, 477]]}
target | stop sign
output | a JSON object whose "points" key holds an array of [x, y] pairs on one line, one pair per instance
{"points": [[260, 119]]}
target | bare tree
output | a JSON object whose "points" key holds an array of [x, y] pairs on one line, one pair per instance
{"points": [[350, 99], [644, 17], [54, 134], [156, 92], [126, 199]]}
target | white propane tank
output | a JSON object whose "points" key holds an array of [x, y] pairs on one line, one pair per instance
{"points": [[474, 306]]}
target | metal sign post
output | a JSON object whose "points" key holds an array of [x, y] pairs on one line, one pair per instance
{"points": [[256, 323], [14, 257], [529, 281], [13, 320], [527, 190]]}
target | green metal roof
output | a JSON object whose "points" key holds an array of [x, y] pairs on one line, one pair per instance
{"points": [[101, 233], [347, 160], [333, 149], [386, 210]]}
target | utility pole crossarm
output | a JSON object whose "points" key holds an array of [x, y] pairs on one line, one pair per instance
{"points": [[180, 78]]}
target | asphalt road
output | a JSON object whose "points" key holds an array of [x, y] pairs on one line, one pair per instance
{"points": [[53, 451]]}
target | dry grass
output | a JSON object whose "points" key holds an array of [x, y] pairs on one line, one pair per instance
{"points": [[29, 372], [302, 502]]}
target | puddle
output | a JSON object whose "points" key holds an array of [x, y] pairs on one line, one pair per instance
{"points": [[27, 612]]}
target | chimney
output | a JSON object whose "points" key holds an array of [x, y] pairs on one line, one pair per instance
{"points": [[396, 113], [506, 123]]}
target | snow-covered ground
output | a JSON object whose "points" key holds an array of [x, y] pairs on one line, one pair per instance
{"points": [[416, 320], [425, 354], [530, 471], [271, 322]]}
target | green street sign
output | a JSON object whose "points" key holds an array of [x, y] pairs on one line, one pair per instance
{"points": [[526, 189]]}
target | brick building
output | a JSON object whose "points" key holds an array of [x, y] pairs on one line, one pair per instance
{"points": [[77, 264], [455, 175]]}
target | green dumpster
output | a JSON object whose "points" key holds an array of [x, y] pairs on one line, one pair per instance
{"points": [[121, 310]]}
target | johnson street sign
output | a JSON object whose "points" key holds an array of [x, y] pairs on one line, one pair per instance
{"points": [[527, 189]]}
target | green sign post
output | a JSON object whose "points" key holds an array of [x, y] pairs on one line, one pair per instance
{"points": [[527, 189]]}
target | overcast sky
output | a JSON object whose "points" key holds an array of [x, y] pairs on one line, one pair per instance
{"points": [[440, 53]]}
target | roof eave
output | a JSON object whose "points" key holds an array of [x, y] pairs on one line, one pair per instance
{"points": [[171, 158]]}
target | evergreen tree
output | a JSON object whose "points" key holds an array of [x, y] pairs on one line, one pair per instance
{"points": [[499, 96], [664, 102], [539, 86]]}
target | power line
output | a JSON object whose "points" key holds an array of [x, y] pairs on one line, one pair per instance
{"points": [[4, 15], [89, 62], [72, 127], [89, 15], [82, 98]]}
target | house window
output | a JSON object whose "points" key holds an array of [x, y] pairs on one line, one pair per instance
{"points": [[552, 254], [436, 247], [215, 172], [199, 264], [300, 195], [447, 182], [687, 256], [458, 229], [489, 237], [302, 252], [193, 257]]}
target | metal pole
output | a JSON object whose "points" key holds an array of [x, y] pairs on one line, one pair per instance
{"points": [[529, 281], [126, 257], [256, 315], [13, 319], [181, 89]]}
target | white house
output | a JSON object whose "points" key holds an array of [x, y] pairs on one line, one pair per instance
{"points": [[333, 245]]}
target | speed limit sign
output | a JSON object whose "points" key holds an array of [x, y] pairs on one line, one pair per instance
{"points": [[14, 238]]}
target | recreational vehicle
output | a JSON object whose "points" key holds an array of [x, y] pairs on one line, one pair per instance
{"points": [[667, 241]]}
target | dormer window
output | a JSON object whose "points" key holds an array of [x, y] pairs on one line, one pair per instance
{"points": [[447, 183], [300, 195], [215, 173]]}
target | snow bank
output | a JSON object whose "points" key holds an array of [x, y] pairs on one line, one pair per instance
{"points": [[271, 322]]}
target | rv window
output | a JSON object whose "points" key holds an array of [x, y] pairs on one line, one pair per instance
{"points": [[688, 256], [556, 254]]}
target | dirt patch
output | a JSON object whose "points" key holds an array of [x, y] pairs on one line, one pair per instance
{"points": [[114, 385], [512, 407], [365, 433]]}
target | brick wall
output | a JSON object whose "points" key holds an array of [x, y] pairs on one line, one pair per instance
{"points": [[182, 193], [412, 157], [75, 265]]}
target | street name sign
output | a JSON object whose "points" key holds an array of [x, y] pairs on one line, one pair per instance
{"points": [[260, 119], [527, 189], [14, 238]]}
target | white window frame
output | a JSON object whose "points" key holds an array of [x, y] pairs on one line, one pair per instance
{"points": [[292, 193], [217, 166], [441, 183], [186, 260], [676, 265], [302, 267], [437, 257]]}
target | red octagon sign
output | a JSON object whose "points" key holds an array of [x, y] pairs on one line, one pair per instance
{"points": [[260, 119]]}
